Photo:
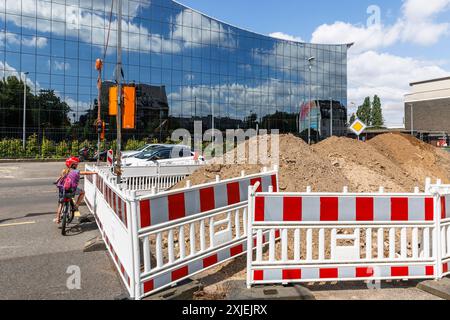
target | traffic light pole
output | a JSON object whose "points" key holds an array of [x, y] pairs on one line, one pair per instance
{"points": [[118, 166]]}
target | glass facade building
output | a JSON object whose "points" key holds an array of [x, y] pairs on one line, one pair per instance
{"points": [[186, 65]]}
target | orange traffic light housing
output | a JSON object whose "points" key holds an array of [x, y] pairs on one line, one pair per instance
{"points": [[102, 134], [128, 108], [113, 101]]}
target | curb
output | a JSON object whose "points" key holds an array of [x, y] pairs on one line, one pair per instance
{"points": [[30, 160]]}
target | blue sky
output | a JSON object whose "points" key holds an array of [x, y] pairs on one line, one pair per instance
{"points": [[409, 42]]}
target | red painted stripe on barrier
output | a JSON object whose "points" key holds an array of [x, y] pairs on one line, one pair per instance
{"points": [[399, 271], [254, 181], [259, 209], [277, 233], [209, 261], [429, 270], [233, 193], [145, 213], [429, 209], [292, 209], [445, 268], [207, 200], [328, 273], [176, 206], [234, 251], [258, 275], [115, 203], [329, 209], [180, 273], [443, 208], [292, 274], [274, 183], [363, 272], [119, 208], [399, 209], [125, 218], [149, 286], [364, 209]]}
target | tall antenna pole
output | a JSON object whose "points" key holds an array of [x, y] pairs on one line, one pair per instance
{"points": [[118, 169], [98, 66]]}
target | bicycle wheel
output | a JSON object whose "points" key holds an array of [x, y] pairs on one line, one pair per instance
{"points": [[71, 214], [65, 213]]}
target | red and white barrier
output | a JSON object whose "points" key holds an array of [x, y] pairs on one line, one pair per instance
{"points": [[339, 237], [174, 234]]}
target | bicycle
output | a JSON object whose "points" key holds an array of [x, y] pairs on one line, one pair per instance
{"points": [[67, 212]]}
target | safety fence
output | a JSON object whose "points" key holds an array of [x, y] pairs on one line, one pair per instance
{"points": [[159, 239], [345, 236], [158, 177]]}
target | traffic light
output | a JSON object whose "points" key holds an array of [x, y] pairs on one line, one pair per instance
{"points": [[113, 101], [103, 130], [129, 106]]}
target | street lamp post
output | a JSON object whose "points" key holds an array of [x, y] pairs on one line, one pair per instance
{"points": [[331, 117], [310, 61], [24, 109]]}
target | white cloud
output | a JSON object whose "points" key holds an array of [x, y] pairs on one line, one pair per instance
{"points": [[389, 77], [371, 72], [415, 26], [284, 36], [15, 39], [60, 66]]}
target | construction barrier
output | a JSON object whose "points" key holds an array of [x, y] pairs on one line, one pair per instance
{"points": [[344, 236], [160, 239], [158, 177]]}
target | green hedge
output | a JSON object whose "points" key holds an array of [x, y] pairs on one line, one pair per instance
{"points": [[48, 149]]}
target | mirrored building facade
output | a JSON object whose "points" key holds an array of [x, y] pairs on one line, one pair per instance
{"points": [[188, 67]]}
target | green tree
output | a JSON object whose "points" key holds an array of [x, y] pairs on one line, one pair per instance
{"points": [[364, 112], [352, 118], [377, 113]]}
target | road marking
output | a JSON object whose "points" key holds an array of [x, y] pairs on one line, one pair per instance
{"points": [[17, 224]]}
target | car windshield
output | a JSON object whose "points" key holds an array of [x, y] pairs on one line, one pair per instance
{"points": [[142, 148], [146, 154]]}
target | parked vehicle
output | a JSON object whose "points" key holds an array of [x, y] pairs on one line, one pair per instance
{"points": [[146, 148], [164, 155]]}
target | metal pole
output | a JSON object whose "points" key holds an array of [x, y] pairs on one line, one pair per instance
{"points": [[212, 119], [412, 119], [119, 90], [331, 117], [99, 65], [24, 110], [309, 115], [310, 61]]}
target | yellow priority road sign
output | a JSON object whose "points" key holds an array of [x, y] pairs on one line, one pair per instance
{"points": [[358, 127]]}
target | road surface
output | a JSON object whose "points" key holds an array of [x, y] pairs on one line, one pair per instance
{"points": [[36, 262]]}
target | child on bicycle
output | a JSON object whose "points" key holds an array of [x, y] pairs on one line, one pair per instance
{"points": [[67, 183]]}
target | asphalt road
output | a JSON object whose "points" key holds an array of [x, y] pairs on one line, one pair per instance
{"points": [[36, 261]]}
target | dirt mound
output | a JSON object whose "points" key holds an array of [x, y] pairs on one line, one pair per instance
{"points": [[419, 159], [365, 167], [299, 167]]}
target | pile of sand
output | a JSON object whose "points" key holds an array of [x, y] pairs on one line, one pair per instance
{"points": [[299, 167], [365, 167], [415, 157]]}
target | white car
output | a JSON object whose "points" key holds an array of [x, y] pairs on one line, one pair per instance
{"points": [[145, 148], [164, 155]]}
